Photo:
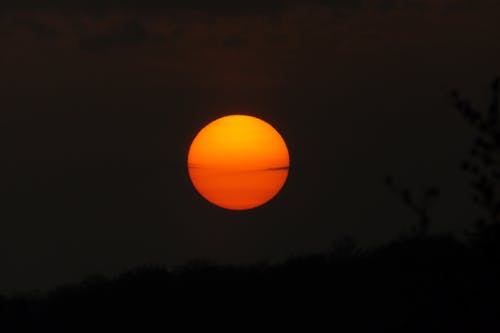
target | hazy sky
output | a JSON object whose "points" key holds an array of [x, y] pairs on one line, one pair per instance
{"points": [[99, 101]]}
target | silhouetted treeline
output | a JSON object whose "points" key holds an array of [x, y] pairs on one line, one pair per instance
{"points": [[421, 282], [434, 283]]}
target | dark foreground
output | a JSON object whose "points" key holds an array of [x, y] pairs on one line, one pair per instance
{"points": [[416, 284]]}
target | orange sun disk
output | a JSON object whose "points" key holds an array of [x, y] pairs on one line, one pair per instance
{"points": [[238, 162]]}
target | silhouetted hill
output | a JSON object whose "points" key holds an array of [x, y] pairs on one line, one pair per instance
{"points": [[427, 284]]}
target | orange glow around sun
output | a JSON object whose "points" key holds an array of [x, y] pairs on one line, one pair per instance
{"points": [[238, 162]]}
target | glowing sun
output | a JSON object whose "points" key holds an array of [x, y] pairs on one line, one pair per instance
{"points": [[238, 162]]}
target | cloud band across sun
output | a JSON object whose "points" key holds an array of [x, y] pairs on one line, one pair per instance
{"points": [[238, 162]]}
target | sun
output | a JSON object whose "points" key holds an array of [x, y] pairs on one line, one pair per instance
{"points": [[238, 162]]}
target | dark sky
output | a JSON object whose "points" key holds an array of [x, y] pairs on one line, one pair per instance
{"points": [[99, 101]]}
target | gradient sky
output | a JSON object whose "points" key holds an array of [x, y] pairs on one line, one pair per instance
{"points": [[99, 101]]}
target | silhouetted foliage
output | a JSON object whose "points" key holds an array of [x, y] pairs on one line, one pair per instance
{"points": [[483, 162], [419, 205], [409, 285], [483, 168], [344, 249]]}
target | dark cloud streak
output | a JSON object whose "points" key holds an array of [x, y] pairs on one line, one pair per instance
{"points": [[128, 34], [218, 6]]}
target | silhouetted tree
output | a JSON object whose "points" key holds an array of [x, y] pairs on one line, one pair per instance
{"points": [[483, 162], [483, 167], [344, 249], [419, 205]]}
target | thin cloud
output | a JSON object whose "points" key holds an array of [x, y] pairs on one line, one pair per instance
{"points": [[219, 6], [128, 34]]}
